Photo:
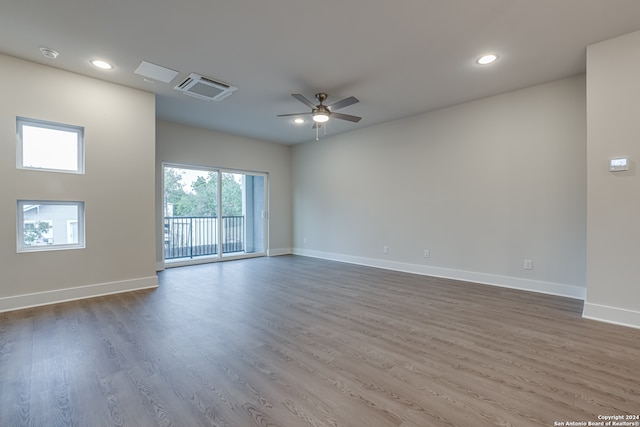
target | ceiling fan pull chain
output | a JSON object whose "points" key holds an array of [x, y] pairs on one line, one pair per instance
{"points": [[317, 133]]}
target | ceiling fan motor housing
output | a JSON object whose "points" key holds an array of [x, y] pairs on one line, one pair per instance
{"points": [[321, 97], [321, 113]]}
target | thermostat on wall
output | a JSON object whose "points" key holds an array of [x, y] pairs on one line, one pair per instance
{"points": [[620, 164]]}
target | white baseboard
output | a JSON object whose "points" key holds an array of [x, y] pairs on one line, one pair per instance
{"points": [[18, 302], [558, 289], [279, 251], [615, 315]]}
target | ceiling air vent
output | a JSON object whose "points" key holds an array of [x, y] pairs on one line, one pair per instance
{"points": [[205, 88]]}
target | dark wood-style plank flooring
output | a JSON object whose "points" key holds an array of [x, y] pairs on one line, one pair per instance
{"points": [[294, 341]]}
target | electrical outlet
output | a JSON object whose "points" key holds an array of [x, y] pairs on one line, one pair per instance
{"points": [[385, 249], [426, 253], [528, 264]]}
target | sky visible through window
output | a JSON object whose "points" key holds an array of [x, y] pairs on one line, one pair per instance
{"points": [[49, 148], [189, 176]]}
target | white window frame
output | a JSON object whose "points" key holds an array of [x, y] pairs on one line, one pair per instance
{"points": [[21, 247], [78, 130]]}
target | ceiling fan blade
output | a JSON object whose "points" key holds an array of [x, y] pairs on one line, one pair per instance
{"points": [[304, 100], [348, 117], [344, 103], [293, 114]]}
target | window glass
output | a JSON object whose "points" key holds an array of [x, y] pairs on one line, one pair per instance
{"points": [[47, 225], [49, 146]]}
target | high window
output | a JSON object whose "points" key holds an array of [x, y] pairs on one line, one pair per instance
{"points": [[49, 146]]}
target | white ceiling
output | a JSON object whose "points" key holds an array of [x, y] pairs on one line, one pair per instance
{"points": [[399, 58]]}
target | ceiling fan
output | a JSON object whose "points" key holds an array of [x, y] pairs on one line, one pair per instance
{"points": [[321, 113]]}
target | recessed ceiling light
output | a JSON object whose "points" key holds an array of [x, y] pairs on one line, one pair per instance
{"points": [[49, 53], [298, 121], [487, 59], [101, 64]]}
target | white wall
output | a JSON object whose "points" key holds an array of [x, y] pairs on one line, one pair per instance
{"points": [[483, 186], [193, 146], [118, 187], [613, 230]]}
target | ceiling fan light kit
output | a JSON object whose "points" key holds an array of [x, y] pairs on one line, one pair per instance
{"points": [[320, 117]]}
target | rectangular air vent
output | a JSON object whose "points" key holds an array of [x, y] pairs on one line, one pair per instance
{"points": [[205, 88]]}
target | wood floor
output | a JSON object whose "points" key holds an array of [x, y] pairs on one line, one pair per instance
{"points": [[295, 341]]}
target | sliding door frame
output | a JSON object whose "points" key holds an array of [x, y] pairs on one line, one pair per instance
{"points": [[219, 255]]}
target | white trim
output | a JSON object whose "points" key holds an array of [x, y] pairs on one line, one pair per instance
{"points": [[18, 302], [614, 315], [279, 251], [558, 289]]}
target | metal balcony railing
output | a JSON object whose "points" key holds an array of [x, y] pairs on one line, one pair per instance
{"points": [[194, 236]]}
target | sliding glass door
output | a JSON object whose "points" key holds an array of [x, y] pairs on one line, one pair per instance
{"points": [[213, 213], [243, 213]]}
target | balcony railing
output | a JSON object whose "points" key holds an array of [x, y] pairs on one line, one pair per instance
{"points": [[194, 236]]}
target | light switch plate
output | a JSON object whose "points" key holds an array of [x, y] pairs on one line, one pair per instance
{"points": [[618, 164]]}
